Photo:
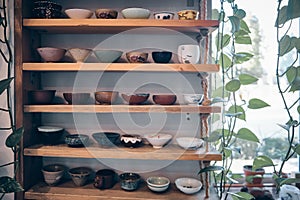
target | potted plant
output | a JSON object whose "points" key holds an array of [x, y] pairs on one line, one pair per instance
{"points": [[253, 176]]}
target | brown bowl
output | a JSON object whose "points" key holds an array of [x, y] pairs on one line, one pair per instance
{"points": [[106, 14], [135, 98], [164, 99], [76, 98], [106, 97], [136, 57], [41, 96]]}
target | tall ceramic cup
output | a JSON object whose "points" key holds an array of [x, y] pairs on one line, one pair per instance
{"points": [[105, 178], [189, 54]]}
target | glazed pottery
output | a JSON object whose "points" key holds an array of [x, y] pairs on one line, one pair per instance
{"points": [[106, 13], [108, 56], [53, 173], [134, 99], [106, 97], [193, 99], [107, 139], [130, 181], [50, 134], [51, 54], [158, 140], [78, 13], [158, 183], [189, 54], [164, 99], [187, 14], [77, 140], [189, 143], [161, 56], [105, 179], [253, 176], [76, 98], [131, 140], [41, 96], [135, 13], [188, 185], [80, 175], [164, 15], [79, 54], [136, 57]]}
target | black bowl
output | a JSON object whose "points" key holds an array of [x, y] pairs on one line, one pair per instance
{"points": [[107, 139], [77, 140], [50, 135], [47, 4], [161, 56], [45, 12]]}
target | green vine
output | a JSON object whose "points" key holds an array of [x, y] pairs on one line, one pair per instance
{"points": [[8, 184]]}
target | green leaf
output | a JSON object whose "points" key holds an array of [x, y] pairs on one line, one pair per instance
{"points": [[297, 149], [215, 14], [4, 84], [296, 43], [219, 92], [298, 109], [213, 137], [231, 180], [288, 181], [233, 85], [222, 41], [293, 9], [293, 77], [243, 39], [9, 185], [282, 18], [14, 138], [244, 27], [291, 74], [246, 134], [240, 13], [242, 57], [257, 104], [227, 152], [235, 23], [1, 19], [285, 45], [238, 109], [262, 161], [211, 168], [224, 61], [230, 1], [241, 196], [247, 79]]}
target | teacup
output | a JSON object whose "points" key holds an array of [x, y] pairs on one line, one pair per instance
{"points": [[105, 178], [189, 54]]}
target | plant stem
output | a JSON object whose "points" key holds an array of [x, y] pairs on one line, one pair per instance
{"points": [[7, 164]]}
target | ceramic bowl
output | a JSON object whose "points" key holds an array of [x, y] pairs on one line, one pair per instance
{"points": [[106, 13], [187, 14], [135, 13], [46, 12], [76, 98], [136, 57], [41, 96], [107, 139], [78, 13], [77, 140], [106, 97], [79, 54], [193, 99], [188, 185], [164, 15], [158, 183], [134, 99], [47, 4], [164, 99], [105, 179], [108, 56], [51, 54], [158, 140], [50, 134], [161, 56], [129, 140], [189, 143], [129, 181], [53, 173], [80, 175]]}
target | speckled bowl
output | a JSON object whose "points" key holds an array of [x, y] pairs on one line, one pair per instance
{"points": [[137, 57], [80, 175], [79, 54], [51, 54], [107, 139], [77, 140], [130, 181], [164, 15], [103, 13]]}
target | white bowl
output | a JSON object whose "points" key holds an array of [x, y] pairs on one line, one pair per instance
{"points": [[158, 140], [188, 185], [158, 183], [78, 13], [164, 15], [193, 99], [135, 13], [189, 143], [79, 54]]}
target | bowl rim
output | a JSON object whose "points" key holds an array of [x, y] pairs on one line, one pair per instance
{"points": [[104, 133], [62, 168], [50, 48], [49, 129], [148, 135], [77, 135], [194, 189], [158, 177], [198, 143], [87, 171], [164, 12], [78, 9], [135, 8]]}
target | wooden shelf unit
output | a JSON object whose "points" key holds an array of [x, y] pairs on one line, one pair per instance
{"points": [[120, 109], [116, 25], [65, 191], [121, 67], [146, 152]]}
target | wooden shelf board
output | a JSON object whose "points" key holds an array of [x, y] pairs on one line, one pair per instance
{"points": [[68, 191], [61, 108], [116, 25], [135, 67], [146, 152]]}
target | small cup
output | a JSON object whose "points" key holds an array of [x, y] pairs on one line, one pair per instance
{"points": [[130, 181], [105, 179], [189, 54]]}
